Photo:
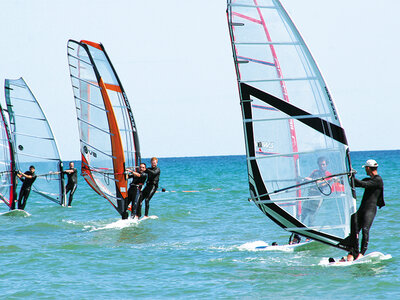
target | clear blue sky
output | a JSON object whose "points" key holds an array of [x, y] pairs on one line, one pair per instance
{"points": [[175, 62]]}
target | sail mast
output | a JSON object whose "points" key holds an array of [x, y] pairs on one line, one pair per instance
{"points": [[8, 186]]}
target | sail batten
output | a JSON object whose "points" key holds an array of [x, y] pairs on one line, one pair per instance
{"points": [[290, 125]]}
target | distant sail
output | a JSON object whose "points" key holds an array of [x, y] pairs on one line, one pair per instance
{"points": [[290, 124], [34, 142], [7, 165], [108, 135]]}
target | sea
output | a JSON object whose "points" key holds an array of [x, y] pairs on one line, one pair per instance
{"points": [[197, 244]]}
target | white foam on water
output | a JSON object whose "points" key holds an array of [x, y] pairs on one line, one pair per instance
{"points": [[120, 224]]}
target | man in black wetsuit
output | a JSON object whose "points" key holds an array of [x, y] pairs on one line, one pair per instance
{"points": [[27, 178], [363, 218], [135, 188], [151, 187], [72, 183]]}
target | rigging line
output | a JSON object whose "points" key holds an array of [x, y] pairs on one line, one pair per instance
{"points": [[87, 102], [85, 81], [94, 126], [36, 156], [256, 61], [27, 117], [290, 154], [307, 182], [17, 98], [33, 136], [80, 59]]}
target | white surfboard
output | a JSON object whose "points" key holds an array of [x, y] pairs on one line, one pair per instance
{"points": [[370, 258], [263, 246]]}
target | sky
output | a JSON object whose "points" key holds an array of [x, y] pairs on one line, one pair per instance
{"points": [[174, 60]]}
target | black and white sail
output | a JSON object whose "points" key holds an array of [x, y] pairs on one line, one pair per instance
{"points": [[291, 126]]}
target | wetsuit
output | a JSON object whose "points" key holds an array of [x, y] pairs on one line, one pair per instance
{"points": [[135, 190], [310, 207], [373, 197], [71, 184], [25, 189], [149, 190]]}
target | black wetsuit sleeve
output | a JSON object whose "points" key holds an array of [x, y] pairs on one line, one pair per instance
{"points": [[153, 173], [367, 183]]}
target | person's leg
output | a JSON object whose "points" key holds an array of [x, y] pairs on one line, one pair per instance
{"points": [[25, 198], [71, 194], [365, 227], [135, 194], [148, 198]]}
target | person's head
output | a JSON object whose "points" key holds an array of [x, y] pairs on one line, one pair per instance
{"points": [[274, 244], [154, 161], [32, 169], [322, 163], [296, 239], [371, 167], [71, 165], [142, 167]]}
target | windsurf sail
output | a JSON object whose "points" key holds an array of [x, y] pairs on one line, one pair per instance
{"points": [[34, 142], [108, 135], [290, 126], [7, 164]]}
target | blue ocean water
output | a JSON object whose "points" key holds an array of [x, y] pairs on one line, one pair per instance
{"points": [[194, 249]]}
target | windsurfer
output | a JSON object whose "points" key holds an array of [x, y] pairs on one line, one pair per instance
{"points": [[151, 187], [27, 178], [363, 218], [310, 207], [294, 239], [135, 188], [72, 183]]}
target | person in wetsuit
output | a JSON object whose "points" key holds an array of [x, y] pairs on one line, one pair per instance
{"points": [[28, 179], [310, 207], [135, 188], [72, 183], [294, 239], [150, 188], [363, 218]]}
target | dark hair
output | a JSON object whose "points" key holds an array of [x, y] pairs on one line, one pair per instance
{"points": [[321, 159], [31, 167], [143, 164], [297, 237]]}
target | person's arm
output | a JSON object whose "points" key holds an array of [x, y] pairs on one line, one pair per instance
{"points": [[367, 183], [27, 176], [153, 172]]}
